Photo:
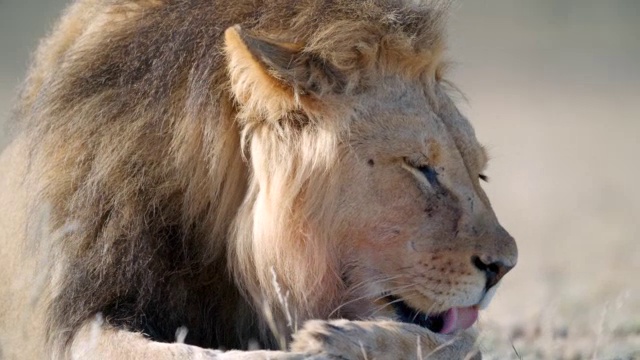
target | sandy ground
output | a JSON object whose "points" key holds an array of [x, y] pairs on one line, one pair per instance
{"points": [[553, 89]]}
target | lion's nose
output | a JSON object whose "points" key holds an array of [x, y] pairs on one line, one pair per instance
{"points": [[494, 271]]}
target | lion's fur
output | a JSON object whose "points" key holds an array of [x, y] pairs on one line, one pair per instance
{"points": [[196, 177]]}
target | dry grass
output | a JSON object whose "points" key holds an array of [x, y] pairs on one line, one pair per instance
{"points": [[553, 336]]}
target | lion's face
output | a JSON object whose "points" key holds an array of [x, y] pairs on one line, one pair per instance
{"points": [[420, 231], [379, 184]]}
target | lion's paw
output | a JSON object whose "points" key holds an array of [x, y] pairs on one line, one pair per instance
{"points": [[380, 340]]}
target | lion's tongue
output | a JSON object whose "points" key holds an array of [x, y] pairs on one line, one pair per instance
{"points": [[458, 319]]}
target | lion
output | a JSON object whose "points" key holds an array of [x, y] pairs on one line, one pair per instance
{"points": [[212, 179]]}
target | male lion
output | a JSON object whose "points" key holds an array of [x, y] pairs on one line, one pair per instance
{"points": [[221, 172]]}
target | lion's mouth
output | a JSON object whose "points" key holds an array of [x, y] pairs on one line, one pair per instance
{"points": [[446, 322]]}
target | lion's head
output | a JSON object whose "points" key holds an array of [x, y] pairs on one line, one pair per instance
{"points": [[365, 192], [308, 158]]}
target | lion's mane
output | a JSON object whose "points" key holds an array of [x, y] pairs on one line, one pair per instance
{"points": [[195, 193]]}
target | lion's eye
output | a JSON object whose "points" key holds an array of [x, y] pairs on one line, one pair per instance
{"points": [[484, 177], [430, 173]]}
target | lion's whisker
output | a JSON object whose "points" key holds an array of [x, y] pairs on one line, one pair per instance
{"points": [[380, 308], [361, 285]]}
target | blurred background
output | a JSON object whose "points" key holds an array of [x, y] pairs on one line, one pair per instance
{"points": [[553, 89]]}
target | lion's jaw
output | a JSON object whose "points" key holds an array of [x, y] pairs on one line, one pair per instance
{"points": [[414, 214]]}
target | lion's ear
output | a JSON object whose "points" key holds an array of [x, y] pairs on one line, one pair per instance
{"points": [[263, 70]]}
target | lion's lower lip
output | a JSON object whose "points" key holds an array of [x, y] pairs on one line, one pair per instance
{"points": [[446, 322]]}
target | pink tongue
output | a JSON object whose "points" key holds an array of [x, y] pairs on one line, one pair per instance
{"points": [[459, 319]]}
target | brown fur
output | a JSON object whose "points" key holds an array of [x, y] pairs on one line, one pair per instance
{"points": [[154, 134]]}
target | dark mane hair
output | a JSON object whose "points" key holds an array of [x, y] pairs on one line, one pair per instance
{"points": [[137, 138]]}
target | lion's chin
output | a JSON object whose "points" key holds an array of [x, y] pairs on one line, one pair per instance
{"points": [[447, 322]]}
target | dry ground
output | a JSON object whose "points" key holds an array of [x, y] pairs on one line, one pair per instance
{"points": [[553, 89]]}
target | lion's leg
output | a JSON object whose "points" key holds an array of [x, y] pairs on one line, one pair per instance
{"points": [[381, 340], [96, 341]]}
